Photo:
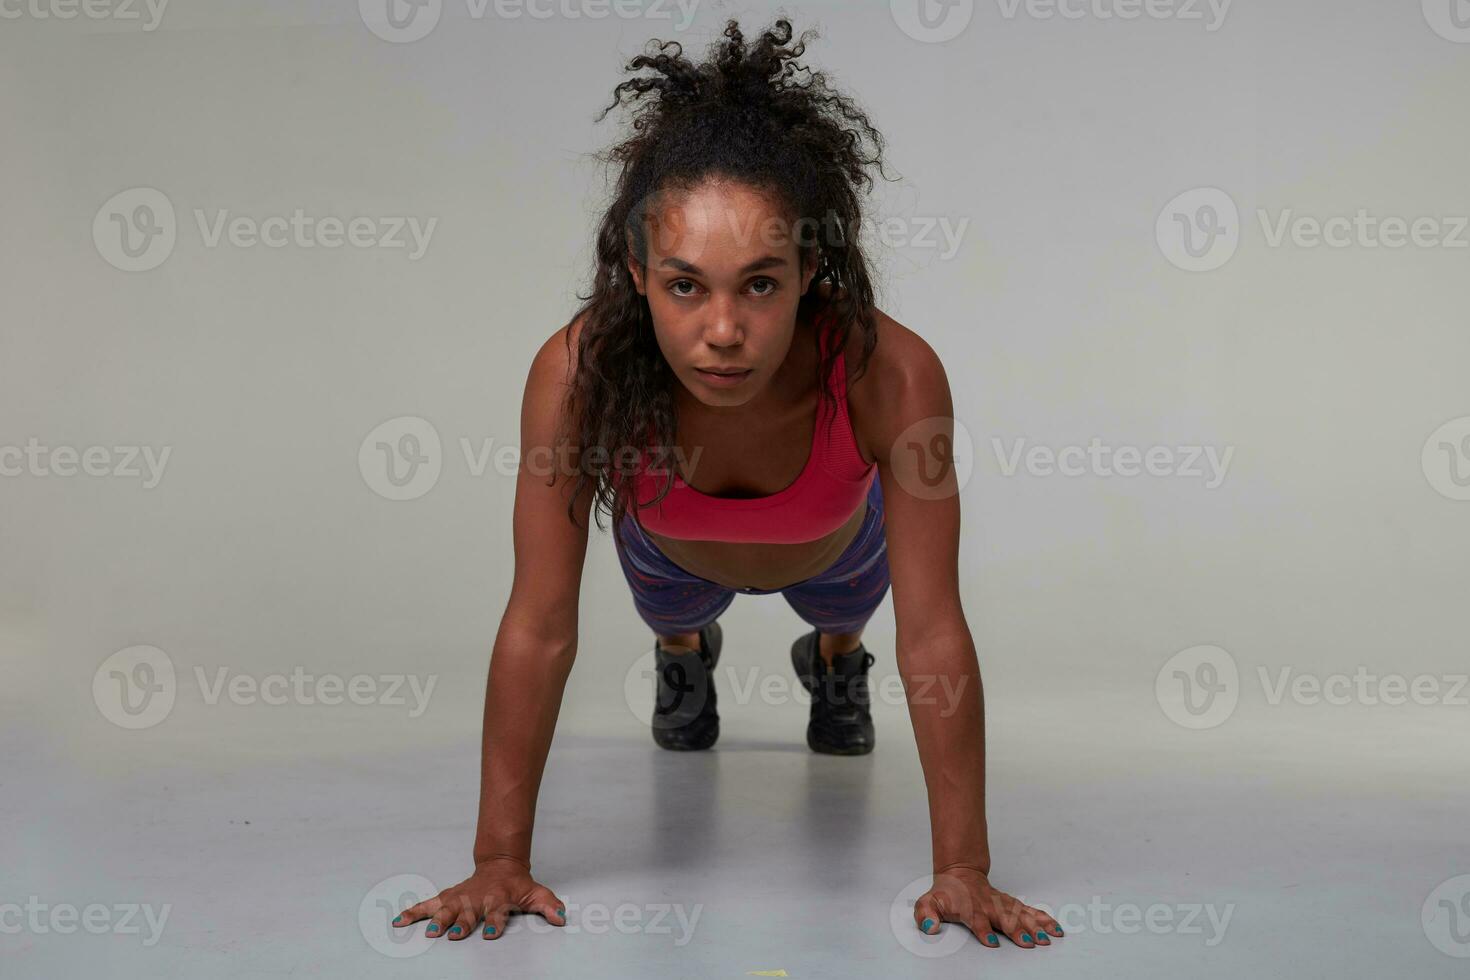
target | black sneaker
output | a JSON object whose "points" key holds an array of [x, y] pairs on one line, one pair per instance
{"points": [[684, 715], [840, 721]]}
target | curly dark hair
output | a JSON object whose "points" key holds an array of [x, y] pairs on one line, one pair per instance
{"points": [[751, 113]]}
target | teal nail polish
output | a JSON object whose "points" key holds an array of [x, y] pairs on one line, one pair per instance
{"points": [[928, 923], [1025, 937], [1057, 931], [991, 938], [489, 930], [561, 913], [433, 928], [397, 919], [455, 931], [1040, 933]]}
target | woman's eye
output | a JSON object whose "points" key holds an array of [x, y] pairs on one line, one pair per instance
{"points": [[677, 283], [770, 283]]}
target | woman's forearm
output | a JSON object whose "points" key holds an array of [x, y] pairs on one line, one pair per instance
{"points": [[941, 677], [523, 693]]}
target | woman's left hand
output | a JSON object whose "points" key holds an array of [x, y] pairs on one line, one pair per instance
{"points": [[965, 895]]}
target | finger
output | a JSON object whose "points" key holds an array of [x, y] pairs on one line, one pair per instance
{"points": [[441, 921], [927, 913], [1048, 924], [495, 912], [1040, 924], [1007, 916], [464, 923], [983, 930], [544, 901], [415, 913]]}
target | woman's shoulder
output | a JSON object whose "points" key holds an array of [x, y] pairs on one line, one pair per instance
{"points": [[904, 381]]}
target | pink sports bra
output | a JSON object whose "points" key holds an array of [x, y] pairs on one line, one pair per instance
{"points": [[832, 485]]}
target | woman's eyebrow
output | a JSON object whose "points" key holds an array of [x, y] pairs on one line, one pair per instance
{"points": [[764, 262]]}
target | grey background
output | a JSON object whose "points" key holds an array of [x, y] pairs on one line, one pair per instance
{"points": [[264, 548]]}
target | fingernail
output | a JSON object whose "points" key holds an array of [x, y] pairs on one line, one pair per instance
{"points": [[927, 924], [1057, 931], [455, 931], [1025, 937], [562, 913], [1040, 933], [433, 928], [397, 919], [990, 938], [489, 930]]}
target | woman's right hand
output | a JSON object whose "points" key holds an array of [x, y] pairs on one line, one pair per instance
{"points": [[497, 888]]}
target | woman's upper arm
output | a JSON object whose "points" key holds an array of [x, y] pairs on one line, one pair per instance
{"points": [[549, 547]]}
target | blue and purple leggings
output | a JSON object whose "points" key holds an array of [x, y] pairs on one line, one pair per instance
{"points": [[840, 599]]}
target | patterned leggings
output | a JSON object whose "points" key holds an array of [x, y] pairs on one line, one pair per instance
{"points": [[840, 599]]}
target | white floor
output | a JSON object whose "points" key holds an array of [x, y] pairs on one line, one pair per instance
{"points": [[1262, 848]]}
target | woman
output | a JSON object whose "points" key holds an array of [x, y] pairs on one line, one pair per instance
{"points": [[730, 396]]}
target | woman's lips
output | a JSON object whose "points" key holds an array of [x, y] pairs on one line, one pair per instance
{"points": [[722, 380]]}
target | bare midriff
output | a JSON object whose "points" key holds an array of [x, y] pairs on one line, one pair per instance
{"points": [[738, 565]]}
